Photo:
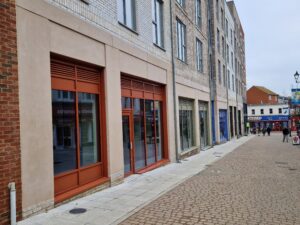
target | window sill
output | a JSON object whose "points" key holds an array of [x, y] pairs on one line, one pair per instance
{"points": [[128, 28], [161, 48], [184, 62]]}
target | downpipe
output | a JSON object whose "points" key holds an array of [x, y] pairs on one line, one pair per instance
{"points": [[13, 214]]}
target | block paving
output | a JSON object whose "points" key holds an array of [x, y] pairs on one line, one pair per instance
{"points": [[259, 183]]}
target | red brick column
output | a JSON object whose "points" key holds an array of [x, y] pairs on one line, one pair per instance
{"points": [[10, 161]]}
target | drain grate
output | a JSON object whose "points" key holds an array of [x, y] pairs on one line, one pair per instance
{"points": [[77, 211], [293, 169]]}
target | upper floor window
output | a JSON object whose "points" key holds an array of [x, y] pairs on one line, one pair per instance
{"points": [[181, 2], [223, 48], [219, 72], [218, 40], [232, 60], [270, 97], [218, 10], [181, 40], [157, 22], [233, 84], [227, 53], [222, 18], [228, 79], [198, 13], [280, 111], [224, 76], [262, 112], [226, 28], [127, 13], [199, 55], [271, 111], [253, 111]]}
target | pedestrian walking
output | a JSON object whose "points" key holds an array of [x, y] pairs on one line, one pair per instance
{"points": [[264, 131], [269, 131], [285, 133]]}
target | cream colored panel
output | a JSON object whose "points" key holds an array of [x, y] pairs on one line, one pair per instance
{"points": [[75, 45], [157, 74], [114, 116], [132, 65], [35, 109]]}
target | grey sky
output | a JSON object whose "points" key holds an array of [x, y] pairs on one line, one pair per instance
{"points": [[272, 29]]}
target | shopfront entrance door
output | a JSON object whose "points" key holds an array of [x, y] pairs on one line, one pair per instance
{"points": [[127, 142]]}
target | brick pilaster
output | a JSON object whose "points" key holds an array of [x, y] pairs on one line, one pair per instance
{"points": [[10, 161]]}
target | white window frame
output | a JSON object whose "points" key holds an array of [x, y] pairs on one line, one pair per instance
{"points": [[199, 55], [127, 13], [157, 23], [198, 13], [220, 72], [181, 40], [181, 3]]}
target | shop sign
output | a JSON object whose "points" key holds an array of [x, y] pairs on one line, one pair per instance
{"points": [[268, 118]]}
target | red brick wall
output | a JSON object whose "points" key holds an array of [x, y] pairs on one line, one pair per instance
{"points": [[10, 170], [255, 97]]}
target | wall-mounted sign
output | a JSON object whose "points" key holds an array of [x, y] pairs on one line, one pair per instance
{"points": [[295, 96]]}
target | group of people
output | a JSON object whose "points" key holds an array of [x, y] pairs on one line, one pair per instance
{"points": [[262, 130]]}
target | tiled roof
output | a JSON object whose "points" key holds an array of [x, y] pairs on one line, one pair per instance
{"points": [[266, 90]]}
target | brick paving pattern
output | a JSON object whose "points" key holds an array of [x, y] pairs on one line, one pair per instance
{"points": [[259, 183]]}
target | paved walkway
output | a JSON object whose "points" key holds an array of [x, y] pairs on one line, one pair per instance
{"points": [[113, 205], [259, 183]]}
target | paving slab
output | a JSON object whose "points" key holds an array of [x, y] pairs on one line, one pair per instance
{"points": [[258, 183], [113, 205]]}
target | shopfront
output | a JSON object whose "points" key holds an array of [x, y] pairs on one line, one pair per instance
{"points": [[223, 125], [186, 124], [78, 118], [277, 123], [144, 125], [203, 120]]}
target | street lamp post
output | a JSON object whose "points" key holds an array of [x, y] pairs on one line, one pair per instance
{"points": [[296, 76]]}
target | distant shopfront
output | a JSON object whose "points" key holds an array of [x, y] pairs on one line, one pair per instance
{"points": [[276, 122]]}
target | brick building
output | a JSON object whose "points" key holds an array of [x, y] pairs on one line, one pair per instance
{"points": [[10, 154], [261, 95], [92, 91]]}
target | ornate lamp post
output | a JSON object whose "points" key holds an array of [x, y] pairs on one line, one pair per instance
{"points": [[297, 77]]}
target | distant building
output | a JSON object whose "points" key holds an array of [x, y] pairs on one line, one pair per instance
{"points": [[267, 109], [275, 116], [261, 95]]}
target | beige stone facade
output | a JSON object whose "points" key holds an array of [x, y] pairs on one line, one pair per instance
{"points": [[44, 29], [192, 84], [228, 86], [91, 34]]}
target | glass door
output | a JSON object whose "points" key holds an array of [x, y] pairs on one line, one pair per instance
{"points": [[127, 143]]}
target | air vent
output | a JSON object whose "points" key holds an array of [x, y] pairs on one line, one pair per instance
{"points": [[62, 70]]}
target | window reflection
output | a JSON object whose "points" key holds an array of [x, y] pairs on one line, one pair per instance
{"points": [[88, 120], [139, 133], [64, 130]]}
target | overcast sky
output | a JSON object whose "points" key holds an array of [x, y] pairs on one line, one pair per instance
{"points": [[272, 29]]}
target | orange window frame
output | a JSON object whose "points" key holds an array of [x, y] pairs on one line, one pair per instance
{"points": [[87, 79]]}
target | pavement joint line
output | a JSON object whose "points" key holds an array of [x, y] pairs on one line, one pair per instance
{"points": [[168, 173], [130, 213]]}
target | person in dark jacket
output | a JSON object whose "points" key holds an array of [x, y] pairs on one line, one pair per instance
{"points": [[285, 133], [269, 130]]}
